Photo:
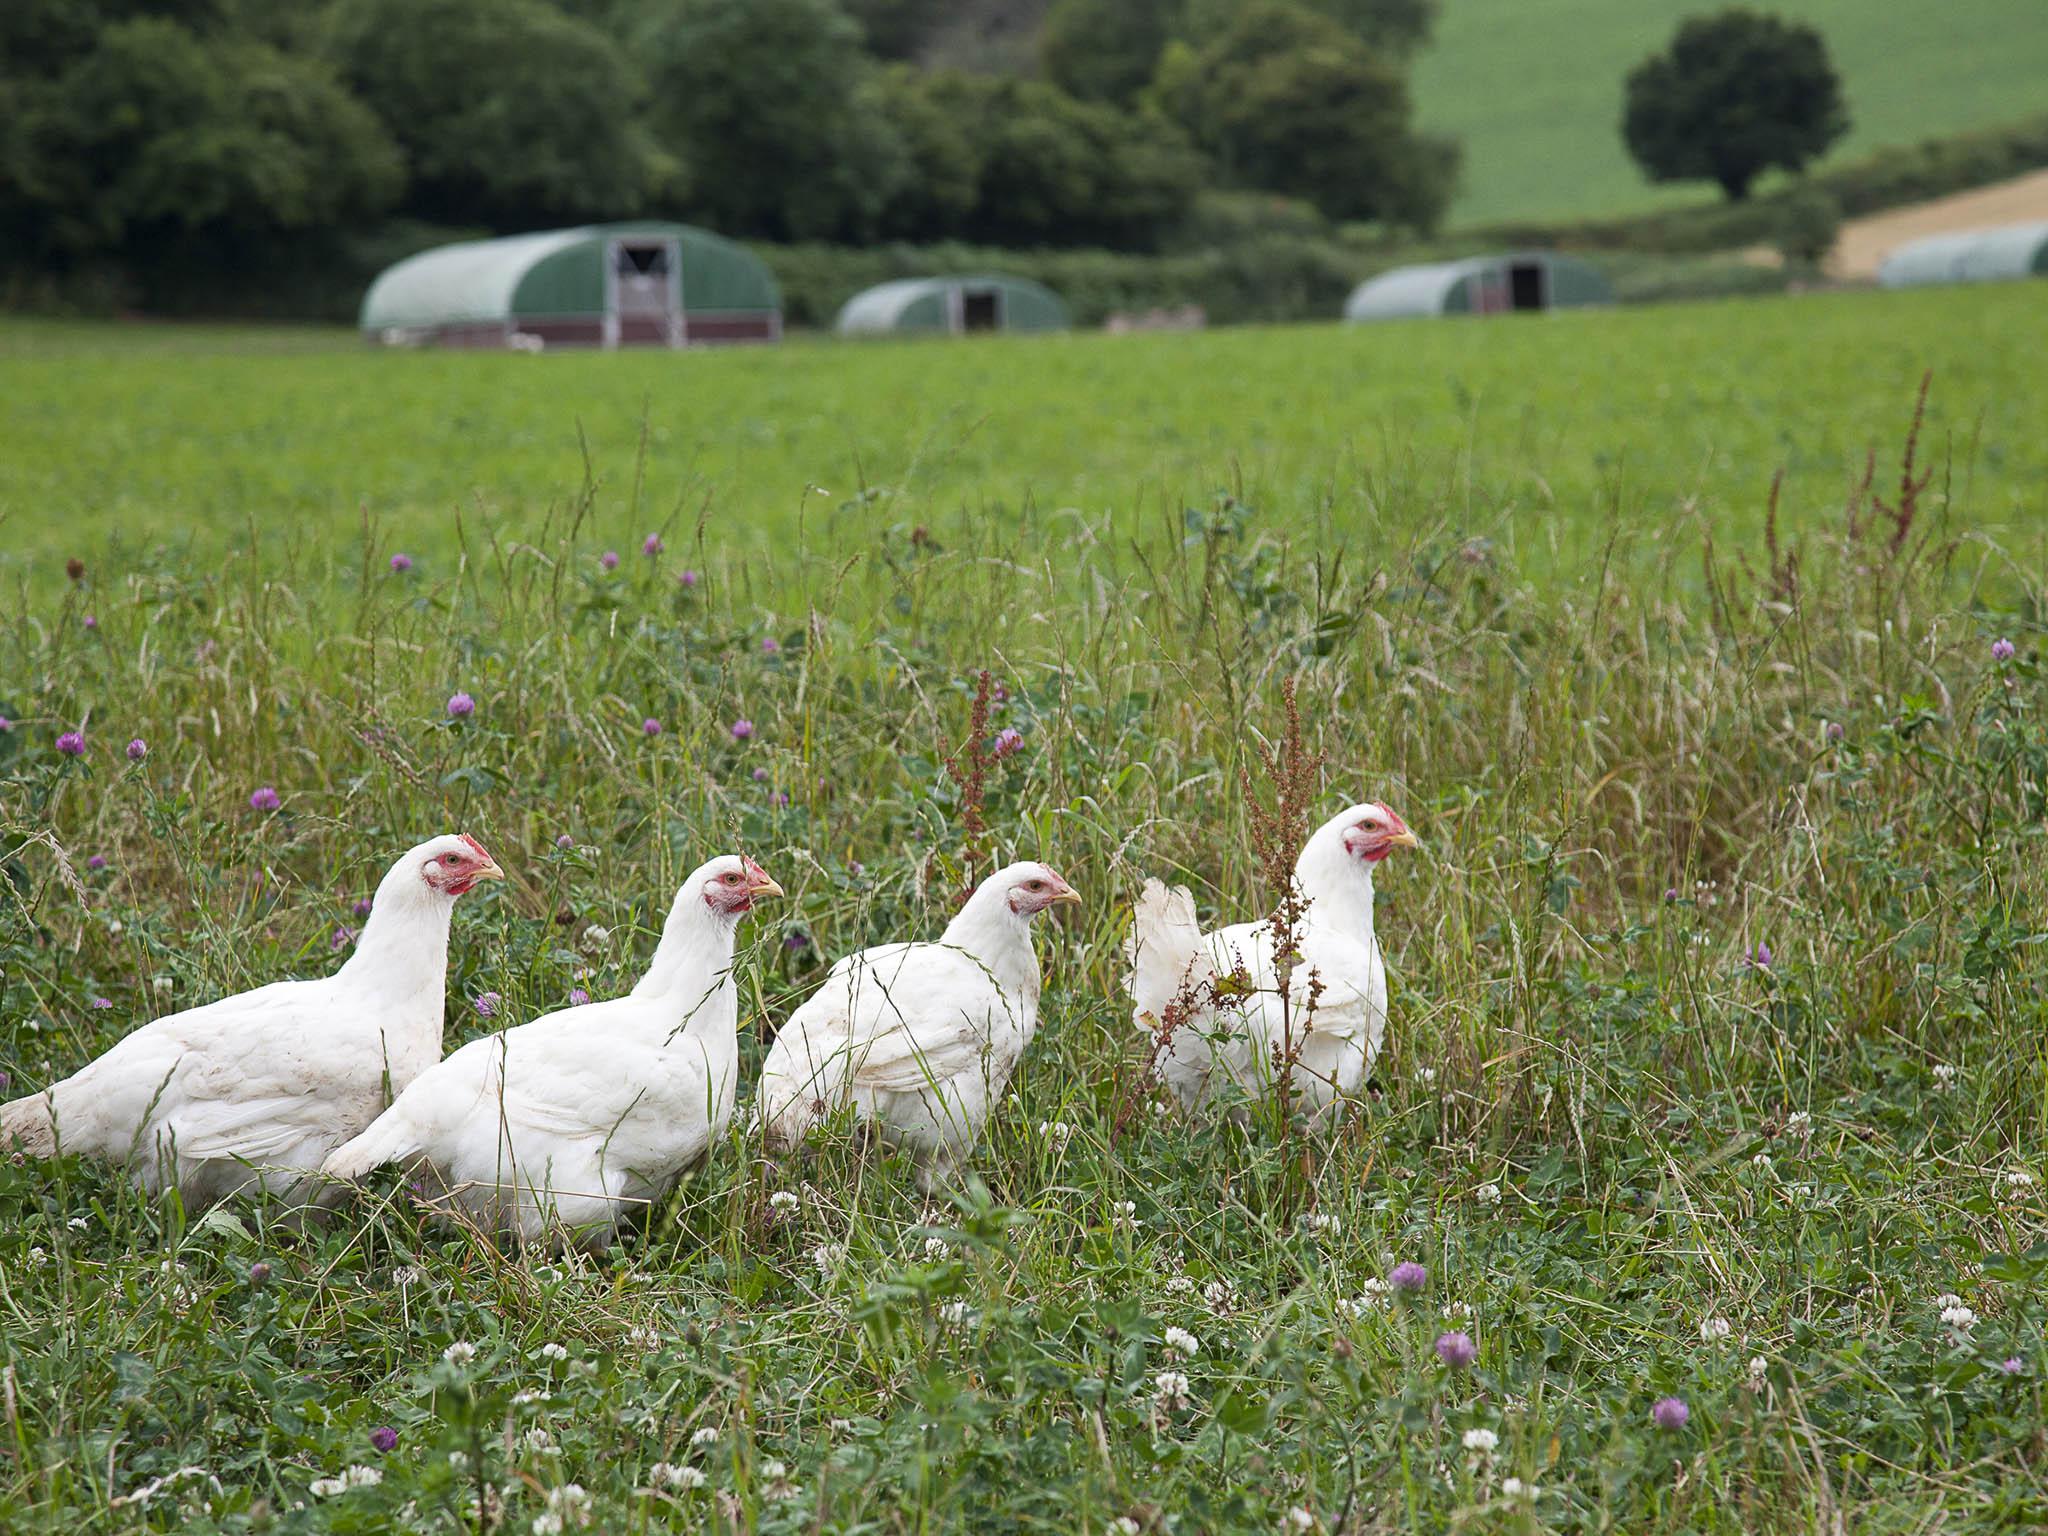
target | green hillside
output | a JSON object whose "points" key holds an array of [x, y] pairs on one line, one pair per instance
{"points": [[1533, 87]]}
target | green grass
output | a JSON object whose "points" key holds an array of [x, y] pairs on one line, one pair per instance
{"points": [[1480, 549], [1650, 423], [1535, 91]]}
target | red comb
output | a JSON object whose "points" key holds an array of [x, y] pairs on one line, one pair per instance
{"points": [[477, 848]]}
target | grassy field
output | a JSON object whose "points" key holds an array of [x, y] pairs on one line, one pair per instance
{"points": [[1535, 90], [1716, 1057]]}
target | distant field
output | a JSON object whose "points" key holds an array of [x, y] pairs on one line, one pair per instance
{"points": [[1535, 90], [1655, 422]]}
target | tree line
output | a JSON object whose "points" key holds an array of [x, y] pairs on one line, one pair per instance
{"points": [[140, 131]]}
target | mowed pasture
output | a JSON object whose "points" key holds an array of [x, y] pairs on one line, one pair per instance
{"points": [[1715, 1069]]}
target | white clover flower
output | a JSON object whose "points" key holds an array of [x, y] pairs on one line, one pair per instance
{"points": [[570, 1504], [1962, 1319], [554, 1351], [1761, 1162], [526, 1397], [1483, 1441], [1300, 1519], [459, 1460], [1123, 1525], [1170, 1391], [1180, 1285], [1944, 1076], [1180, 1342], [954, 1314], [1457, 1311], [666, 1474], [540, 1442], [1360, 1306], [784, 1202], [595, 938], [161, 983], [1759, 1368], [548, 1523], [80, 1224], [1425, 1075], [937, 1249], [37, 1258], [1058, 1132], [461, 1352], [828, 1257], [1515, 1488], [1219, 1296], [1487, 1194], [1320, 1222], [1799, 1123], [350, 1479], [644, 1337], [707, 1435], [1714, 1328], [2013, 1185], [1947, 1299], [1124, 1213]]}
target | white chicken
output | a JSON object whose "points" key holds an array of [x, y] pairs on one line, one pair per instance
{"points": [[564, 1127], [1228, 1024], [919, 1038], [255, 1090]]}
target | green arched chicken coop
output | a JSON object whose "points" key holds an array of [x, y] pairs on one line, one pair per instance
{"points": [[952, 306]]}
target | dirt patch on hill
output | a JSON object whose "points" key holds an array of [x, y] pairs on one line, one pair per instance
{"points": [[1866, 242]]}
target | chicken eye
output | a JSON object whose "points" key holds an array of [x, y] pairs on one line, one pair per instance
{"points": [[1035, 885]]}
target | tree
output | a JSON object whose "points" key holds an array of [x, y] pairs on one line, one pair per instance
{"points": [[158, 132], [1287, 100], [1396, 27], [510, 113], [1105, 50], [895, 29], [770, 102], [1735, 94]]}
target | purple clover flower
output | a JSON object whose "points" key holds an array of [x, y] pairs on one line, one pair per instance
{"points": [[797, 941], [401, 563], [103, 1002], [1456, 1350], [72, 743], [1834, 730], [264, 799], [742, 729], [460, 706], [384, 1438], [565, 842], [2002, 649], [688, 578], [609, 559], [1008, 740], [486, 1004], [97, 861], [91, 622], [5, 725], [1669, 1413], [578, 997], [341, 938], [1409, 1276], [362, 906], [650, 726], [138, 749], [770, 645], [1760, 957], [2012, 1365], [760, 775], [778, 800], [259, 1272], [651, 545]]}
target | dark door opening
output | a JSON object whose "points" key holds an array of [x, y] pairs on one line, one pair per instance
{"points": [[980, 309], [1525, 285], [643, 260]]}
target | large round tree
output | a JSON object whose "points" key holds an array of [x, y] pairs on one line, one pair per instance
{"points": [[1735, 94]]}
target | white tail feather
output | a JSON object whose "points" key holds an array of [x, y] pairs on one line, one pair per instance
{"points": [[387, 1140], [28, 1122], [1164, 949]]}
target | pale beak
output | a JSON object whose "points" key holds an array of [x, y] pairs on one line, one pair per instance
{"points": [[1065, 896], [759, 883], [1404, 839], [488, 870]]}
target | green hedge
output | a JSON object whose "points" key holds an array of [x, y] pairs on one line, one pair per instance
{"points": [[1888, 178]]}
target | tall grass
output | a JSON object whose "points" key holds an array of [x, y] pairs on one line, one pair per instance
{"points": [[1727, 868]]}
